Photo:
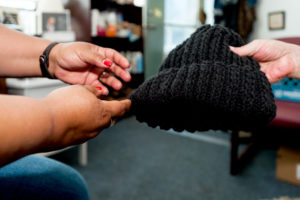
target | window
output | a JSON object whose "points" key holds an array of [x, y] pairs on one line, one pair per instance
{"points": [[182, 19]]}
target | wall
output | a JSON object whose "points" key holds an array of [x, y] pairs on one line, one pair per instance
{"points": [[292, 18]]}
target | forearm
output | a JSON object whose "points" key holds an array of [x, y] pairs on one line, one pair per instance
{"points": [[25, 126], [19, 53]]}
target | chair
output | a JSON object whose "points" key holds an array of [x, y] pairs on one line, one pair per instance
{"points": [[280, 130]]}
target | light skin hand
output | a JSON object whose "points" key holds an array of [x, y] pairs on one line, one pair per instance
{"points": [[277, 59], [83, 63], [79, 115]]}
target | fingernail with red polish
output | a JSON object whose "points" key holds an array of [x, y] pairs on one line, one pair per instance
{"points": [[98, 88], [107, 63]]}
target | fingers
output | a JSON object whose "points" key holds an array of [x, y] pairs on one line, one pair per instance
{"points": [[119, 64], [99, 86], [112, 82], [96, 91], [276, 70], [247, 50], [123, 74], [116, 57], [106, 57], [102, 57], [117, 108], [112, 61], [93, 79], [95, 58]]}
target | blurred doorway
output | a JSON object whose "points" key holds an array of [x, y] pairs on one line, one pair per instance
{"points": [[153, 24], [166, 24]]}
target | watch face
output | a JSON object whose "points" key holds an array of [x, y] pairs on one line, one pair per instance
{"points": [[43, 61], [42, 58]]}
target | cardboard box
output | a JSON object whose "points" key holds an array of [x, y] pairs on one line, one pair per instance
{"points": [[288, 165]]}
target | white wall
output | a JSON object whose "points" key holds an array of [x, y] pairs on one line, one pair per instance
{"points": [[292, 19]]}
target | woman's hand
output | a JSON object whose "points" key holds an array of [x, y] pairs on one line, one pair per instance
{"points": [[277, 59], [84, 63], [67, 116], [78, 115]]}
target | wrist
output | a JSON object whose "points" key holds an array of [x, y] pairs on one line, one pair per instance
{"points": [[45, 62], [295, 52], [59, 121], [48, 139], [53, 58]]}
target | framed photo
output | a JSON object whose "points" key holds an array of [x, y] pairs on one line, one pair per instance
{"points": [[9, 17], [276, 20], [52, 22]]}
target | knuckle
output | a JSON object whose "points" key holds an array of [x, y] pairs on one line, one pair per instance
{"points": [[110, 52], [106, 115], [98, 50], [98, 59], [122, 109]]}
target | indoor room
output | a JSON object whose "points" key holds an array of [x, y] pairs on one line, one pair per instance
{"points": [[150, 99]]}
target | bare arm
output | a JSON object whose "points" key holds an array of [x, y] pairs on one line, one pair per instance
{"points": [[67, 116], [74, 63], [19, 53], [25, 124]]}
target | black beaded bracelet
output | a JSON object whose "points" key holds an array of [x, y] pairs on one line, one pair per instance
{"points": [[44, 61]]}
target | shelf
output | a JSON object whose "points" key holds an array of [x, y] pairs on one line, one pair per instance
{"points": [[131, 13], [119, 44]]}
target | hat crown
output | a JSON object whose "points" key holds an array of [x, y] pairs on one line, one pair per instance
{"points": [[208, 43]]}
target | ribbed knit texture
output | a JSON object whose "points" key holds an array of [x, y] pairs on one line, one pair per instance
{"points": [[202, 85]]}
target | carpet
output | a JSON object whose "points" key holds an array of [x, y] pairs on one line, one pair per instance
{"points": [[133, 161]]}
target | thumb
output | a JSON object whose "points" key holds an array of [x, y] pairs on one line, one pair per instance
{"points": [[117, 108], [247, 50]]}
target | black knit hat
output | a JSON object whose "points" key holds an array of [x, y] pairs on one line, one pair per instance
{"points": [[203, 85]]}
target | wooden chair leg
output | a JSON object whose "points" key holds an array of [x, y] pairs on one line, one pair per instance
{"points": [[238, 161], [83, 154], [234, 153]]}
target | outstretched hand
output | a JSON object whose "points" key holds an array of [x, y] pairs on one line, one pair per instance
{"points": [[277, 59], [78, 115], [87, 64]]}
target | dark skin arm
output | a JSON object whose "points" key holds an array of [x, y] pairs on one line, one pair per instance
{"points": [[35, 125], [74, 63]]}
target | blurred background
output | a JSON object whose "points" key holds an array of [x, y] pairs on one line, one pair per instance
{"points": [[134, 161]]}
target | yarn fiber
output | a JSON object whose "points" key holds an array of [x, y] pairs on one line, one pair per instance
{"points": [[203, 85]]}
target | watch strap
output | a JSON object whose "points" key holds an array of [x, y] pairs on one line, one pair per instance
{"points": [[44, 61]]}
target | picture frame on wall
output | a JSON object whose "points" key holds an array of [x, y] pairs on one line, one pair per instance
{"points": [[10, 18], [53, 22], [276, 20]]}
